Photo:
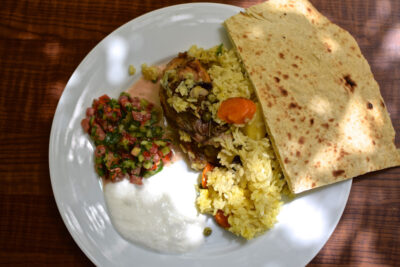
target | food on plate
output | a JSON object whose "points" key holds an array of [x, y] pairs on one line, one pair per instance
{"points": [[207, 97], [293, 106], [129, 141], [150, 73], [322, 106], [131, 70], [193, 85]]}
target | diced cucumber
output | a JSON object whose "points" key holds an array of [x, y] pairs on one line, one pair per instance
{"points": [[98, 160], [144, 142], [147, 164], [160, 143], [144, 102], [132, 128], [140, 158], [129, 164], [165, 150], [128, 106], [135, 151], [143, 129]]}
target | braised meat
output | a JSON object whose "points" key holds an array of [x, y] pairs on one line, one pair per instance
{"points": [[196, 122]]}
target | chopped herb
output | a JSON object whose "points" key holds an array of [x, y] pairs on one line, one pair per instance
{"points": [[219, 50]]}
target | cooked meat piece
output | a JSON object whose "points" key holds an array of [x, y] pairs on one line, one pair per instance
{"points": [[199, 129], [183, 65]]}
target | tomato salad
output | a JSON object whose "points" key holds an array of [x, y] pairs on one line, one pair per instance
{"points": [[129, 140]]}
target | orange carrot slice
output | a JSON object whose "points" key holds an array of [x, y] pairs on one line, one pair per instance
{"points": [[208, 168], [237, 110], [221, 219]]}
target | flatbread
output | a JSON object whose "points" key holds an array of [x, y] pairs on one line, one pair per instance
{"points": [[322, 106]]}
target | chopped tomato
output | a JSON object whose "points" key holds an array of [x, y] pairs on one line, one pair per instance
{"points": [[104, 99], [85, 125], [136, 179], [100, 151]]}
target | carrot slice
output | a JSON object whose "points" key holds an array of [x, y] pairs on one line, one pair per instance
{"points": [[221, 219], [207, 168], [237, 110]]}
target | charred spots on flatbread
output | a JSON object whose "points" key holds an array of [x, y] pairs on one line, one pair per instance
{"points": [[325, 125], [311, 121], [295, 66], [298, 153], [349, 82], [277, 80], [302, 140], [382, 104], [289, 135], [298, 58], [287, 160], [337, 173], [342, 154], [285, 76], [328, 47], [294, 105], [281, 55], [369, 105], [283, 91]]}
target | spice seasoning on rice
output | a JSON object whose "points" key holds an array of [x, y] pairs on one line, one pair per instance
{"points": [[242, 184]]}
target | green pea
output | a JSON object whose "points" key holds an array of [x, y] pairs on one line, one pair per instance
{"points": [[207, 231]]}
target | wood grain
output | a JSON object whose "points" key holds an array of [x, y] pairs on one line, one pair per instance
{"points": [[42, 42]]}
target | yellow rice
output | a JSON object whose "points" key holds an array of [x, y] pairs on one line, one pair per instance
{"points": [[249, 193]]}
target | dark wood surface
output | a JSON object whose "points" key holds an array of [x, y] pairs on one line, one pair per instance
{"points": [[42, 42]]}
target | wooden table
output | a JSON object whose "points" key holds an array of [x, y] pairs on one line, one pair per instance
{"points": [[42, 42]]}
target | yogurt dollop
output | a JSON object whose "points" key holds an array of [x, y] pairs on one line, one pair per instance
{"points": [[160, 214]]}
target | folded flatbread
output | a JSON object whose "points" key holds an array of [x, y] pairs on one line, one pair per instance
{"points": [[322, 106]]}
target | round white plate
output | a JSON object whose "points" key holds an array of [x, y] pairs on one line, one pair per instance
{"points": [[305, 223]]}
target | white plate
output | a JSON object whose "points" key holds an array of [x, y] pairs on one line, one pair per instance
{"points": [[305, 224]]}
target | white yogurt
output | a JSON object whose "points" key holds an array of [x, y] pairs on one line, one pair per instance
{"points": [[160, 214]]}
